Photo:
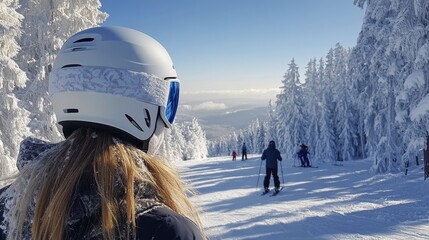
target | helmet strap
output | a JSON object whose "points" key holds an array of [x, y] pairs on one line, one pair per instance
{"points": [[144, 146]]}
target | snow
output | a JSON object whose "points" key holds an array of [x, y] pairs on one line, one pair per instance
{"points": [[328, 202], [415, 79], [421, 109]]}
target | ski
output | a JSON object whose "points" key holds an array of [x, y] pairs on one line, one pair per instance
{"points": [[307, 167], [276, 192], [264, 193]]}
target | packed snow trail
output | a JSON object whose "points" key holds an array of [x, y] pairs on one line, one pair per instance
{"points": [[329, 202]]}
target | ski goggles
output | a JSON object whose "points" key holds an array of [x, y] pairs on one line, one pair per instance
{"points": [[173, 100], [137, 85]]}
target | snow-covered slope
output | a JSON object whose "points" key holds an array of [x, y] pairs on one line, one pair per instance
{"points": [[329, 202]]}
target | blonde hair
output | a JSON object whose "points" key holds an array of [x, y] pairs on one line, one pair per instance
{"points": [[55, 180]]}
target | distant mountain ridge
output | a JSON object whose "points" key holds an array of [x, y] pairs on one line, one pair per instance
{"points": [[220, 122]]}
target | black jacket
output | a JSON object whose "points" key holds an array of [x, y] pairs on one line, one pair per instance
{"points": [[153, 219], [158, 224], [271, 154], [162, 223]]}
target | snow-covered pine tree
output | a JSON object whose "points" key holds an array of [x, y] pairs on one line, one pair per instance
{"points": [[260, 138], [46, 25], [365, 79], [196, 143], [240, 140], [359, 74], [383, 66], [413, 98], [327, 128], [312, 107], [270, 125], [256, 133], [223, 146], [392, 80], [346, 125], [187, 141], [249, 136], [290, 115], [13, 119], [233, 143], [173, 144], [319, 79], [360, 3]]}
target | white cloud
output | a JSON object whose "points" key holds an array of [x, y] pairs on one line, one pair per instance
{"points": [[186, 106], [239, 96], [206, 106], [221, 99], [236, 91]]}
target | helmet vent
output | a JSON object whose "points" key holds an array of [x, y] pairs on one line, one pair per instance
{"points": [[71, 65], [78, 49], [84, 40], [147, 119], [71, 110], [134, 122]]}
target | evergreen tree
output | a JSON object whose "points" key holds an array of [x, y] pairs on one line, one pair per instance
{"points": [[196, 143], [345, 111], [391, 82], [233, 142], [327, 124], [312, 106], [290, 111], [258, 139], [270, 125], [173, 145], [13, 119], [318, 92], [46, 25], [240, 140], [411, 31]]}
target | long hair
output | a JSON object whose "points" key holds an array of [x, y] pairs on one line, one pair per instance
{"points": [[56, 174]]}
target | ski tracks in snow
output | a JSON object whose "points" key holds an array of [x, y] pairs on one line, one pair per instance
{"points": [[316, 203]]}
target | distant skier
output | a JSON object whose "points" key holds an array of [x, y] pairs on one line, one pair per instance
{"points": [[243, 152], [271, 154], [302, 155], [234, 155]]}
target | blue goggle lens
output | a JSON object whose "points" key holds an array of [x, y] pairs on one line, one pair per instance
{"points": [[172, 102]]}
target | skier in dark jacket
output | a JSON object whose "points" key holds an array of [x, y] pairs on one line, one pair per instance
{"points": [[271, 155], [114, 91], [302, 154], [243, 152]]}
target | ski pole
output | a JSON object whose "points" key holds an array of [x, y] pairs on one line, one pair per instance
{"points": [[259, 174], [309, 161], [281, 168], [294, 160]]}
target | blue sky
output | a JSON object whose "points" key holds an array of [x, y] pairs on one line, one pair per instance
{"points": [[228, 46]]}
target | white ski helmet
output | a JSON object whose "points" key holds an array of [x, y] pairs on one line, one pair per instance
{"points": [[117, 79]]}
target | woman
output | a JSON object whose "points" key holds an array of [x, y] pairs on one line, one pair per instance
{"points": [[113, 90]]}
